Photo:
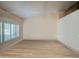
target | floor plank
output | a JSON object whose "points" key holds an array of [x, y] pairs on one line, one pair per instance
{"points": [[38, 48]]}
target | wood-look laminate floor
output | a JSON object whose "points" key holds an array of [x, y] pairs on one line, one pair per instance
{"points": [[38, 48]]}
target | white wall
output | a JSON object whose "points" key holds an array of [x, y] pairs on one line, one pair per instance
{"points": [[68, 30], [40, 28]]}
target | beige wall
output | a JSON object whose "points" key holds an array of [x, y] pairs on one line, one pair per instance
{"points": [[40, 27]]}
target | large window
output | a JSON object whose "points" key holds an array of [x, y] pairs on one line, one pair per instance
{"points": [[0, 32], [14, 31], [17, 30], [8, 31]]}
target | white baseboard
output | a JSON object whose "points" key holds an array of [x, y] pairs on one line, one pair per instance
{"points": [[39, 38]]}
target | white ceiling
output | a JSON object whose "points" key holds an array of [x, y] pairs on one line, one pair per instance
{"points": [[33, 8]]}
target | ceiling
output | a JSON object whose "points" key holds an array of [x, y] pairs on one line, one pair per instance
{"points": [[33, 8]]}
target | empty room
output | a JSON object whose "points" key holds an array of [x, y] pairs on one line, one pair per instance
{"points": [[39, 29]]}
